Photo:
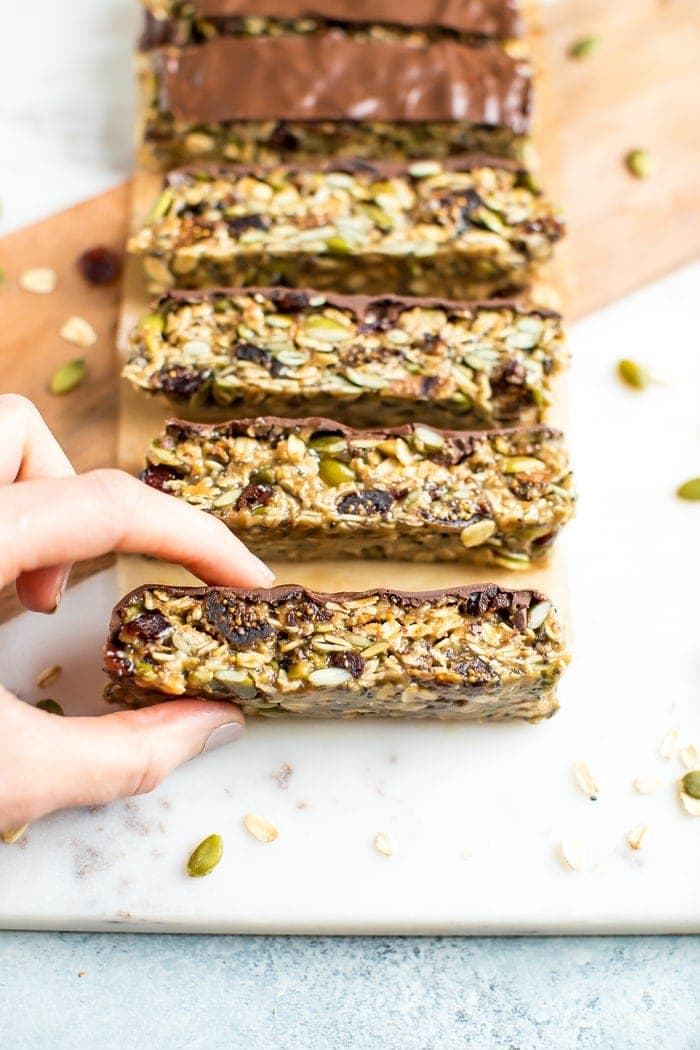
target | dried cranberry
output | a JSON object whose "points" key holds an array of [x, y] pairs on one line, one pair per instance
{"points": [[241, 223], [366, 503], [352, 662], [100, 265], [284, 139], [181, 383], [288, 300], [255, 496], [237, 622], [158, 476], [149, 626]]}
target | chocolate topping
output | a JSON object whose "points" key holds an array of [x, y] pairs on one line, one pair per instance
{"points": [[291, 300], [264, 426], [484, 17], [331, 77]]}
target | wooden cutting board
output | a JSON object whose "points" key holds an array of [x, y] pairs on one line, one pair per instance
{"points": [[641, 88]]}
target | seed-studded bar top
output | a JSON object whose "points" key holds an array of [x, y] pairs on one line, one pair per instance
{"points": [[480, 652], [336, 77], [283, 351], [491, 18], [463, 227], [309, 488]]}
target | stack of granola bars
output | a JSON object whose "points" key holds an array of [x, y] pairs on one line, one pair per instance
{"points": [[344, 245]]}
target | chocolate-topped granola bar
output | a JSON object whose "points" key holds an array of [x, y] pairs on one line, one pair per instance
{"points": [[282, 352], [466, 227], [277, 90], [481, 652], [310, 488]]}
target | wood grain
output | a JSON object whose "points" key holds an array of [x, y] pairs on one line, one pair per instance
{"points": [[31, 349], [640, 88]]}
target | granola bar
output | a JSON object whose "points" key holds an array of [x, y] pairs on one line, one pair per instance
{"points": [[217, 89], [466, 227], [279, 351], [309, 488], [480, 652]]}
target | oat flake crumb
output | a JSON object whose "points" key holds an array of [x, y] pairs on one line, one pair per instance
{"points": [[587, 780], [41, 280], [637, 836], [690, 757], [669, 744], [78, 331], [261, 829], [645, 785], [48, 676], [572, 853], [384, 843]]}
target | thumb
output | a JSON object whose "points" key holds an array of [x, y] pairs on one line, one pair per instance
{"points": [[59, 762]]}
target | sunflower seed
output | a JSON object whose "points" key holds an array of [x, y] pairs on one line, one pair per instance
{"points": [[261, 829], [78, 331], [41, 280], [48, 676], [329, 676]]}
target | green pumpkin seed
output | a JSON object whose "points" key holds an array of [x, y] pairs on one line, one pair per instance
{"points": [[640, 163], [522, 465], [326, 329], [205, 857], [689, 489], [691, 783], [338, 246], [584, 47], [161, 208], [329, 676], [333, 472], [263, 476], [152, 323], [633, 375], [52, 707], [328, 443], [369, 382], [477, 532], [68, 377], [430, 440]]}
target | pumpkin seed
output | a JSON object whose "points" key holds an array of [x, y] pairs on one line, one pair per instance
{"points": [[152, 323], [13, 835], [327, 329], [333, 472], [237, 682], [689, 489], [338, 246], [205, 857], [261, 829], [640, 163], [690, 783], [477, 532], [328, 443], [52, 707], [522, 465], [68, 377], [584, 47], [368, 381], [429, 439], [634, 375], [329, 676], [161, 207]]}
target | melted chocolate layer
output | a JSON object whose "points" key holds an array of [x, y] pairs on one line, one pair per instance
{"points": [[332, 77]]}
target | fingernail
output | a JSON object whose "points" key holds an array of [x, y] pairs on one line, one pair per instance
{"points": [[223, 735], [266, 570], [61, 590]]}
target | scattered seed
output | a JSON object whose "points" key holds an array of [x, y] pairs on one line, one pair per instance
{"points": [[261, 829], [690, 783], [99, 265], [41, 280], [78, 331], [537, 614], [640, 163], [586, 780], [645, 785], [68, 377], [572, 853], [690, 756], [48, 676], [3, 278], [669, 744], [52, 707], [205, 857], [637, 836], [384, 843], [584, 47], [690, 805], [634, 375], [689, 489], [13, 835]]}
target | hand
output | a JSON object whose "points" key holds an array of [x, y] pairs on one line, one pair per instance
{"points": [[50, 518]]}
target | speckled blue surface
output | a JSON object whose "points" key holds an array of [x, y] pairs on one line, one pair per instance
{"points": [[315, 993]]}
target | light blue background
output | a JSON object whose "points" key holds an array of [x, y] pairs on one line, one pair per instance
{"points": [[278, 993]]}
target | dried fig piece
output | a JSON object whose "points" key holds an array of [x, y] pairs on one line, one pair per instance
{"points": [[367, 503], [238, 623]]}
